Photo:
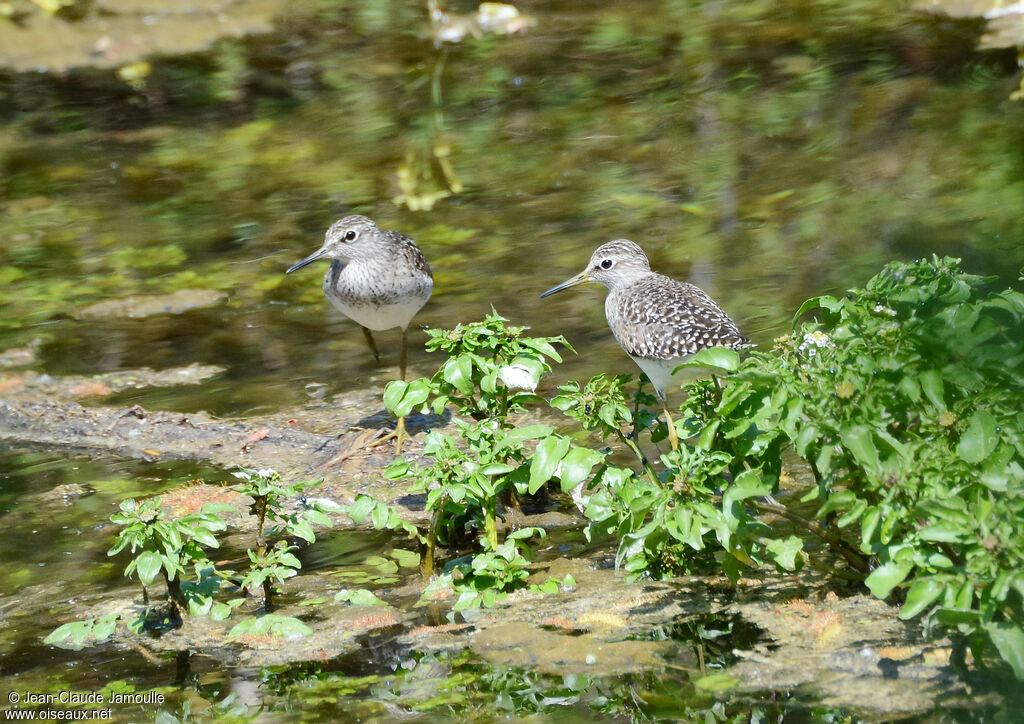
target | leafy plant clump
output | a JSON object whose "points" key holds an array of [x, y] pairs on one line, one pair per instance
{"points": [[905, 401], [272, 565], [175, 549], [489, 377]]}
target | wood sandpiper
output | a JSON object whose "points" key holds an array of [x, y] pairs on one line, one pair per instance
{"points": [[657, 320], [377, 278]]}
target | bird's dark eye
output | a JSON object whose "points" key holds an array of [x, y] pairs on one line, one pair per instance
{"points": [[350, 235], [607, 264]]}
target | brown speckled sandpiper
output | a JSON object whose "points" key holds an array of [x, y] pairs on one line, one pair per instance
{"points": [[658, 321]]}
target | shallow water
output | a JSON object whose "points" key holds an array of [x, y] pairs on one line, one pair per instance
{"points": [[768, 152], [766, 160]]}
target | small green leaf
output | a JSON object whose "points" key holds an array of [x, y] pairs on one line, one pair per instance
{"points": [[527, 532], [979, 439], [922, 594], [747, 484], [523, 374], [808, 435], [868, 525], [205, 537], [492, 469], [303, 530], [147, 565], [546, 457], [549, 587], [358, 597], [400, 398], [836, 501], [716, 682], [543, 346], [887, 576], [397, 470], [458, 372], [858, 439], [394, 391], [1009, 641], [105, 626], [824, 302], [71, 635], [931, 385], [362, 507], [945, 532], [526, 432], [576, 466], [785, 551], [714, 358], [270, 625], [404, 558], [853, 514]]}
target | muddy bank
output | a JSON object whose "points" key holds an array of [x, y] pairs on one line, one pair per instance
{"points": [[300, 443], [851, 650]]}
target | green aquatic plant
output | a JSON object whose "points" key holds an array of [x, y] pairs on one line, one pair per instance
{"points": [[77, 635], [274, 564], [489, 377], [269, 624], [903, 400], [174, 549]]}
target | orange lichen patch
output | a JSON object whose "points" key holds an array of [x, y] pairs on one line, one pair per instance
{"points": [[825, 626], [742, 582], [801, 608], [898, 653], [12, 382], [18, 356], [431, 630], [601, 620], [190, 498], [822, 625], [90, 388], [372, 621], [939, 656], [258, 435], [441, 594]]}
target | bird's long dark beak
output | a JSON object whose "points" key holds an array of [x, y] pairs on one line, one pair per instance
{"points": [[308, 260], [571, 282]]}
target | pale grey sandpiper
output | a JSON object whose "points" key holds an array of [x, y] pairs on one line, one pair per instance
{"points": [[377, 278]]}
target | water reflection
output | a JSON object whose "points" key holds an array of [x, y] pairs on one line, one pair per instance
{"points": [[766, 160]]}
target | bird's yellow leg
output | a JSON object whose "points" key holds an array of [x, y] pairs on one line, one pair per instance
{"points": [[399, 434]]}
